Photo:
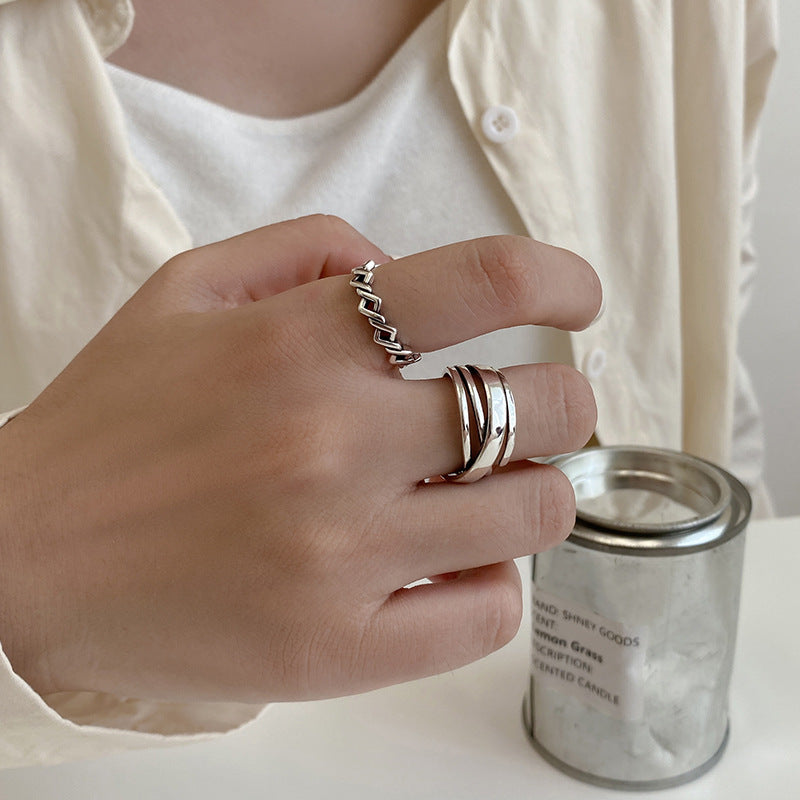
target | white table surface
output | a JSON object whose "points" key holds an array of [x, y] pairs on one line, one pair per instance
{"points": [[460, 736]]}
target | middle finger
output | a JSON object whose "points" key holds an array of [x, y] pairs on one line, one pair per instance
{"points": [[556, 413]]}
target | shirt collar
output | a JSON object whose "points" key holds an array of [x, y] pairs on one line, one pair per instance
{"points": [[110, 22]]}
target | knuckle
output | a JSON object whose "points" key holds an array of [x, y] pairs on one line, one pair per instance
{"points": [[331, 226], [503, 614], [188, 265], [553, 502], [178, 268], [509, 532], [501, 273], [183, 283], [178, 263], [573, 412]]}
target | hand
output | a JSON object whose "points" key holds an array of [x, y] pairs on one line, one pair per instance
{"points": [[220, 497]]}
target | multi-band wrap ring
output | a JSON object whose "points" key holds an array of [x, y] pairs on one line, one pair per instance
{"points": [[488, 421], [487, 413], [370, 306]]}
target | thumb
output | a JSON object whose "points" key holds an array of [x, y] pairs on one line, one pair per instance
{"points": [[257, 264]]}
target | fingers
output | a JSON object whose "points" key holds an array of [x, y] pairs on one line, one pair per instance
{"points": [[435, 628], [556, 413], [460, 291], [473, 610], [454, 293], [262, 263], [452, 527]]}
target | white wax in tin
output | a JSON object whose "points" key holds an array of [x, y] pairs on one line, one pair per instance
{"points": [[689, 605]]}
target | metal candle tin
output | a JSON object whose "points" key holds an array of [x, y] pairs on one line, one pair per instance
{"points": [[634, 619]]}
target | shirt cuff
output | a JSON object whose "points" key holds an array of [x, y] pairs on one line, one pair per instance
{"points": [[69, 726], [7, 416]]}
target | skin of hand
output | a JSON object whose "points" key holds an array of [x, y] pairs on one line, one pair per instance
{"points": [[220, 497]]}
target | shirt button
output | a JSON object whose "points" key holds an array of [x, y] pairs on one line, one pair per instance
{"points": [[500, 124], [594, 363]]}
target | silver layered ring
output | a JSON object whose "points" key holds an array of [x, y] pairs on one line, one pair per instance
{"points": [[463, 412], [511, 433], [488, 421], [369, 305]]}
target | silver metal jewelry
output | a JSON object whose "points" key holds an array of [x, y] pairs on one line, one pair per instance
{"points": [[477, 402], [493, 431], [463, 412], [511, 433], [486, 402], [369, 305]]}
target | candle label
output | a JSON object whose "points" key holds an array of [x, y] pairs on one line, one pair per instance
{"points": [[591, 658]]}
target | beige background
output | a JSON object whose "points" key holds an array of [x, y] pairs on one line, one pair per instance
{"points": [[771, 329]]}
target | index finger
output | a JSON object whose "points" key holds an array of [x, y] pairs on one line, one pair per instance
{"points": [[454, 293], [457, 292]]}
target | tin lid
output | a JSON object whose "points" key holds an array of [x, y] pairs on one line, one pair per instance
{"points": [[644, 498]]}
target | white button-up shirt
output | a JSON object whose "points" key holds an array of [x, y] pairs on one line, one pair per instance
{"points": [[622, 130]]}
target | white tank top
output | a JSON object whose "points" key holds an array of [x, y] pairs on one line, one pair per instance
{"points": [[398, 162]]}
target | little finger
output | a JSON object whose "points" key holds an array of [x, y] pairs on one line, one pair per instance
{"points": [[437, 627], [447, 527]]}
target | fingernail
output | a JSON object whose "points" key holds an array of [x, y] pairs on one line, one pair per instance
{"points": [[600, 312]]}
